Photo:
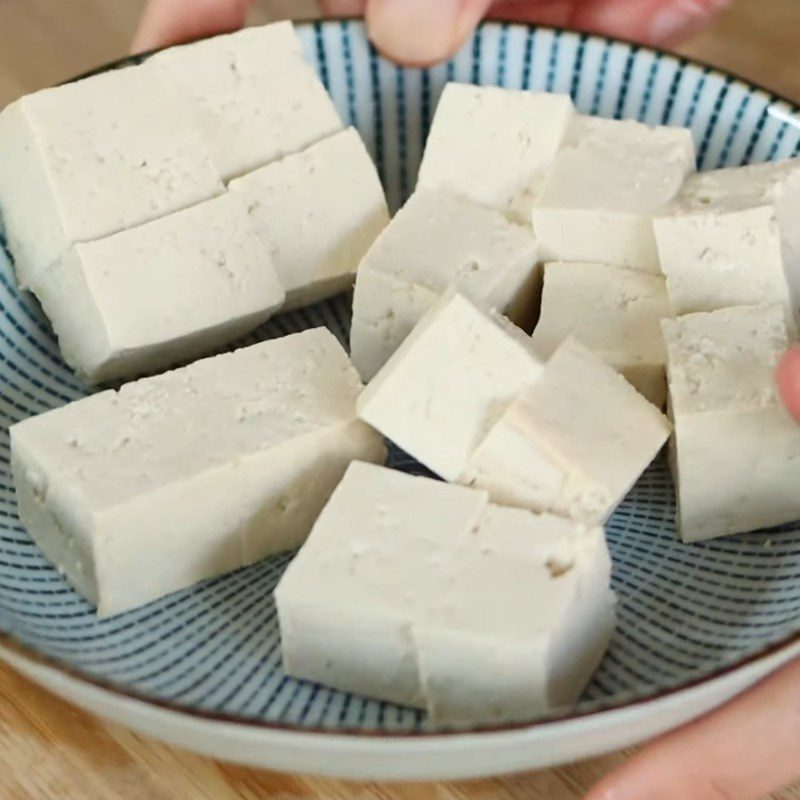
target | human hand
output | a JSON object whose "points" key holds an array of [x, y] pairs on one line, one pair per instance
{"points": [[742, 751], [428, 31]]}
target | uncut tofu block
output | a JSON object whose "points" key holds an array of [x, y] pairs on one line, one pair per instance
{"points": [[422, 593], [615, 312], [574, 443], [494, 145], [607, 182], [173, 479], [732, 239], [435, 241], [167, 291], [256, 100], [736, 451], [88, 159], [452, 378], [318, 212]]}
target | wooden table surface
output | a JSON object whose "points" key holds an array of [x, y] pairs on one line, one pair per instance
{"points": [[50, 750]]}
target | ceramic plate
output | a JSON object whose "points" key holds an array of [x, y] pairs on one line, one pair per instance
{"points": [[202, 667]]}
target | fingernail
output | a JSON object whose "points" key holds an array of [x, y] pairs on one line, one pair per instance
{"points": [[414, 31], [682, 18]]}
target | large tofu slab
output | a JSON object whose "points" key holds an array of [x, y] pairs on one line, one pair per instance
{"points": [[88, 159], [138, 493], [165, 292], [494, 145], [255, 98], [615, 312], [435, 241], [449, 382], [423, 593], [736, 451], [732, 239], [318, 212], [607, 182], [573, 443]]}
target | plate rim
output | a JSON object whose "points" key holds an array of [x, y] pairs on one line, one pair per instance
{"points": [[24, 653]]}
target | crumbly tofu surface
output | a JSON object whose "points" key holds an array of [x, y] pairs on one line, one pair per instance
{"points": [[448, 383], [176, 478], [435, 241], [731, 238], [317, 212], [607, 182], [382, 600], [573, 443], [736, 451], [254, 98], [615, 312], [494, 145], [89, 159], [164, 292]]}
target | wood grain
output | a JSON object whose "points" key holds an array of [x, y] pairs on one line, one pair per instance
{"points": [[50, 750]]}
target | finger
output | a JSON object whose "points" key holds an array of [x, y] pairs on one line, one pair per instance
{"points": [[167, 22], [421, 32], [789, 381], [742, 751], [655, 22]]}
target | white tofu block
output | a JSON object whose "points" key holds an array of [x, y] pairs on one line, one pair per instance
{"points": [[574, 443], [137, 493], [615, 312], [88, 159], [494, 145], [438, 240], [736, 451], [318, 212], [422, 593], [732, 239], [255, 98], [607, 182], [165, 292], [449, 382]]}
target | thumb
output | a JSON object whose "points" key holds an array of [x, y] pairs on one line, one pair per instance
{"points": [[742, 751], [789, 381], [421, 32]]}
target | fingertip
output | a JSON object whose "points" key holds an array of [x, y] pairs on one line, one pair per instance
{"points": [[412, 32], [420, 33], [788, 377]]}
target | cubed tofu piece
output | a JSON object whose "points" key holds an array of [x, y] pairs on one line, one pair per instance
{"points": [[437, 240], [422, 593], [607, 182], [574, 443], [615, 312], [165, 292], [318, 212], [494, 145], [88, 159], [137, 493], [736, 451], [452, 378], [732, 239], [255, 99]]}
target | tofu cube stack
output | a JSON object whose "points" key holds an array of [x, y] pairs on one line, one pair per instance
{"points": [[381, 600], [137, 493], [520, 324], [179, 203], [467, 396]]}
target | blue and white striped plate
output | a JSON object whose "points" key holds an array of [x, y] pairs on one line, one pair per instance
{"points": [[211, 654]]}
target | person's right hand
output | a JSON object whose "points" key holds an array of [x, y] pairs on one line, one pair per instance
{"points": [[428, 31]]}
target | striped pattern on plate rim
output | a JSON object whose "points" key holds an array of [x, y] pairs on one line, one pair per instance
{"points": [[685, 610]]}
